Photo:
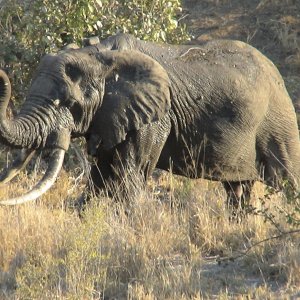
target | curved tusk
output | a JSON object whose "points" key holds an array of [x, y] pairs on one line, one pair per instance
{"points": [[17, 166], [56, 159]]}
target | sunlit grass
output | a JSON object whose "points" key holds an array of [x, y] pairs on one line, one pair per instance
{"points": [[164, 244]]}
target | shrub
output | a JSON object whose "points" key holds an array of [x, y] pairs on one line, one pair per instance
{"points": [[29, 29]]}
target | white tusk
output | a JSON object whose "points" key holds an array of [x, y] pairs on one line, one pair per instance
{"points": [[56, 102], [56, 161]]}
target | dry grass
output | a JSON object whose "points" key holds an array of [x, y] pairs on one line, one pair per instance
{"points": [[164, 244]]}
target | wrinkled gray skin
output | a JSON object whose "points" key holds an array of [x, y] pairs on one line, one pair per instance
{"points": [[231, 118], [218, 111], [67, 93]]}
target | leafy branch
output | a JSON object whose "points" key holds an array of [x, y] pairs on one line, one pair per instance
{"points": [[29, 29]]}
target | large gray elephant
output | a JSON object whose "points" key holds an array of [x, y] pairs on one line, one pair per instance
{"points": [[218, 111]]}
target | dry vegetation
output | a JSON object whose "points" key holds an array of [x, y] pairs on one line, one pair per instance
{"points": [[173, 240]]}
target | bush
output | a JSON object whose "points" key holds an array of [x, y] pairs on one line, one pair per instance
{"points": [[29, 29]]}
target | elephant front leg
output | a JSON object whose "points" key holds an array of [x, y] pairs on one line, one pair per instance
{"points": [[136, 158], [102, 172], [100, 176], [115, 173], [121, 170], [238, 196]]}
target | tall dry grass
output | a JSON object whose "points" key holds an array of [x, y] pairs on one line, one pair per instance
{"points": [[168, 241]]}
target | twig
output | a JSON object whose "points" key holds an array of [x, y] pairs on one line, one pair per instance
{"points": [[244, 253], [182, 17]]}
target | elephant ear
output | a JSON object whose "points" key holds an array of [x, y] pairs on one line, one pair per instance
{"points": [[137, 92]]}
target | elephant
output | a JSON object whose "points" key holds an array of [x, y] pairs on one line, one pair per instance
{"points": [[217, 110]]}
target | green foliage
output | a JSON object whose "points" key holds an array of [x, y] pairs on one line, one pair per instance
{"points": [[29, 29], [290, 212]]}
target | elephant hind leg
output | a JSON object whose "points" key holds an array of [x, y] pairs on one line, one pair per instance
{"points": [[238, 195]]}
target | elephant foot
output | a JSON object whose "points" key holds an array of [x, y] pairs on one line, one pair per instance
{"points": [[238, 198], [81, 203]]}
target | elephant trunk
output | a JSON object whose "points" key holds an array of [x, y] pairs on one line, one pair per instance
{"points": [[37, 125], [25, 131], [5, 93]]}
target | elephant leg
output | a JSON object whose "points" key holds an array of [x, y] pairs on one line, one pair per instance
{"points": [[136, 158], [101, 174], [112, 171], [119, 170], [238, 195]]}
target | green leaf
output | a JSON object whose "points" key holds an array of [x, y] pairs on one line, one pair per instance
{"points": [[40, 26]]}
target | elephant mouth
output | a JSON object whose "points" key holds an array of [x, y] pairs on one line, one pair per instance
{"points": [[56, 161]]}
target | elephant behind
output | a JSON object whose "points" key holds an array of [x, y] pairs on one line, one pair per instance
{"points": [[218, 111]]}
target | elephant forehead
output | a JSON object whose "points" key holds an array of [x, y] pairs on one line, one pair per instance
{"points": [[57, 63], [51, 61]]}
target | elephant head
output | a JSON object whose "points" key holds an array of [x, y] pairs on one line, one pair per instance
{"points": [[72, 88]]}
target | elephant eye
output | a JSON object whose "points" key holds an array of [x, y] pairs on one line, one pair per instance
{"points": [[88, 92], [74, 73]]}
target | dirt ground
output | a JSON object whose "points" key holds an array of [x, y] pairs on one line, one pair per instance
{"points": [[272, 26]]}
